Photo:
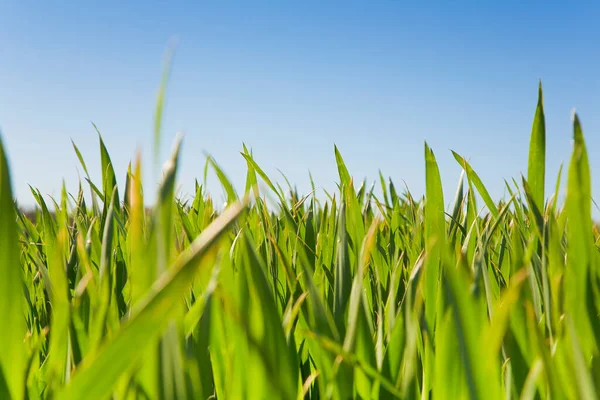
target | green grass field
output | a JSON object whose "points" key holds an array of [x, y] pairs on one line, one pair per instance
{"points": [[359, 296]]}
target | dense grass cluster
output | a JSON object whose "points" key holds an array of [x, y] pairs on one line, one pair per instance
{"points": [[359, 296]]}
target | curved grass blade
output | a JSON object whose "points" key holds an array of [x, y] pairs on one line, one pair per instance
{"points": [[97, 376], [252, 164], [109, 179], [335, 348], [473, 177], [342, 170], [226, 183]]}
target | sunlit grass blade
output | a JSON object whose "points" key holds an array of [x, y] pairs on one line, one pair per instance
{"points": [[585, 385], [458, 206], [12, 300], [359, 336], [140, 276], [225, 182], [96, 377], [251, 181], [171, 382], [479, 377], [579, 237], [343, 275], [93, 189], [265, 329], [343, 171], [336, 349], [59, 337], [435, 233], [109, 179], [252, 164], [537, 153], [473, 177]]}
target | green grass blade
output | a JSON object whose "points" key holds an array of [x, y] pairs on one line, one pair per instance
{"points": [[251, 181], [435, 233], [342, 170], [59, 339], [480, 382], [96, 376], [359, 336], [585, 385], [265, 328], [473, 177], [140, 276], [160, 103], [12, 333], [536, 174], [579, 237], [252, 164], [225, 182], [109, 179], [343, 275]]}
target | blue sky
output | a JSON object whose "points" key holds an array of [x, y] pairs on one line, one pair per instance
{"points": [[290, 79]]}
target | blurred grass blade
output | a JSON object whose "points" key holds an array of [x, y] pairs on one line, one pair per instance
{"points": [[585, 384], [59, 339], [141, 277], [252, 164], [160, 102], [225, 182], [171, 381], [96, 377], [12, 333]]}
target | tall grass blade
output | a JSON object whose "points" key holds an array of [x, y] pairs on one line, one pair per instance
{"points": [[579, 237], [537, 153], [12, 300], [435, 233]]}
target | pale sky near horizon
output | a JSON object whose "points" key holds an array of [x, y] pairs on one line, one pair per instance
{"points": [[291, 80]]}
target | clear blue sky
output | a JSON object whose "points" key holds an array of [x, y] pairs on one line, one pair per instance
{"points": [[292, 78]]}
